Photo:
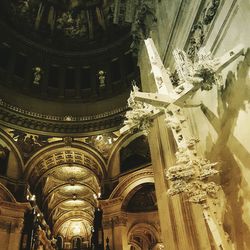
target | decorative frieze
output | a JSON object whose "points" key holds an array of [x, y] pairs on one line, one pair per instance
{"points": [[28, 143], [111, 202], [42, 124], [32, 114]]}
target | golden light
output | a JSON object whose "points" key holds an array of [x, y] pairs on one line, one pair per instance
{"points": [[76, 230]]}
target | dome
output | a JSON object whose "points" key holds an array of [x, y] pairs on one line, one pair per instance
{"points": [[64, 65]]}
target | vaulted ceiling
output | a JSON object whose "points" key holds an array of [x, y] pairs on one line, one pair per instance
{"points": [[67, 184]]}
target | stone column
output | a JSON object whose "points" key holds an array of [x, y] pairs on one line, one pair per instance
{"points": [[10, 67], [28, 75], [93, 83], [45, 79], [78, 82], [123, 72], [119, 222], [61, 87]]}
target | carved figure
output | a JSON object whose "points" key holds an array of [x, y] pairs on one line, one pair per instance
{"points": [[202, 71], [23, 6], [37, 75], [72, 26], [4, 156], [188, 176], [102, 78], [199, 30], [27, 142], [140, 114]]}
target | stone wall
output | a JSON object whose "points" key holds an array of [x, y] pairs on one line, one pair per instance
{"points": [[223, 122]]}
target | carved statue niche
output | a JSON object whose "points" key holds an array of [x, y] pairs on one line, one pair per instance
{"points": [[37, 75], [4, 157], [102, 78]]}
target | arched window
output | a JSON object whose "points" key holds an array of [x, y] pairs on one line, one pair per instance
{"points": [[4, 156], [77, 243], [59, 242]]}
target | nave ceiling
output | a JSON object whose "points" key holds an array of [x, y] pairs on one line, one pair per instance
{"points": [[66, 182], [67, 175]]}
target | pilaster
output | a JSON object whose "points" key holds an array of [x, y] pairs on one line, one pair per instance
{"points": [[12, 220], [114, 224]]}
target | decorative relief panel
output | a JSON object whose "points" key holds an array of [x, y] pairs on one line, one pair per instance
{"points": [[200, 28]]}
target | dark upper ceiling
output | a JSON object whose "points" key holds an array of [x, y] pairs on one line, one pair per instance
{"points": [[66, 24]]}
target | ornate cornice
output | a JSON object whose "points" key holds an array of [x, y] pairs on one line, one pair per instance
{"points": [[36, 115], [15, 206], [37, 123]]}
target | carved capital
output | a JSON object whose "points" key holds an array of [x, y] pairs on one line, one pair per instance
{"points": [[12, 226], [113, 220], [120, 220], [107, 224]]}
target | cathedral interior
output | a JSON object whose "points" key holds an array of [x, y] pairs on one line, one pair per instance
{"points": [[124, 125]]}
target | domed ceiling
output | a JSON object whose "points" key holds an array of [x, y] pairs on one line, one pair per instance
{"points": [[58, 58], [66, 24]]}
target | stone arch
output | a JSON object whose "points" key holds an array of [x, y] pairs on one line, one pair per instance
{"points": [[6, 195], [135, 245], [55, 188], [61, 146], [76, 242], [114, 159], [60, 242], [132, 181], [68, 216], [146, 227]]}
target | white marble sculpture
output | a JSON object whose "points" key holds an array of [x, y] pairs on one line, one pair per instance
{"points": [[190, 173]]}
